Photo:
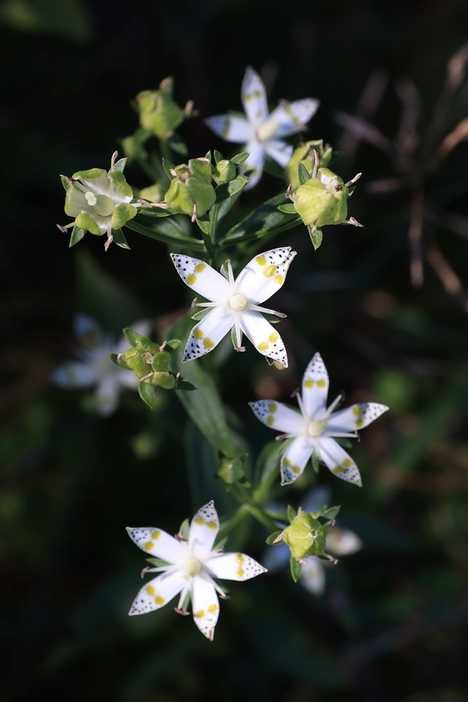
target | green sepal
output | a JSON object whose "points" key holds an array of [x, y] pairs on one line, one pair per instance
{"points": [[344, 442], [316, 237], [131, 335], [86, 222], [158, 562], [239, 159], [148, 394], [331, 512], [162, 379], [76, 236], [270, 539], [201, 313], [296, 569], [161, 361], [218, 156], [184, 385], [119, 363], [90, 174], [184, 529], [139, 363], [168, 167], [303, 174], [204, 224], [173, 344], [119, 239], [288, 208], [66, 182], [234, 337], [119, 165], [291, 513], [224, 172], [224, 271], [315, 461], [120, 182], [122, 214]]}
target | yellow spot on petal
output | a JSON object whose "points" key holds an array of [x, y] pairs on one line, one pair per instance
{"points": [[261, 260], [159, 600], [296, 469], [240, 558], [274, 336], [346, 463], [198, 334], [200, 267], [322, 383], [213, 608], [149, 545], [309, 383], [207, 343], [273, 407], [337, 470], [269, 271], [263, 345], [270, 420], [155, 535], [240, 572], [279, 279], [359, 422], [200, 613], [286, 462], [199, 520], [212, 525], [150, 590], [191, 279], [357, 410]]}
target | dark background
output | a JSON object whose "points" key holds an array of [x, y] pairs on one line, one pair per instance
{"points": [[393, 622]]}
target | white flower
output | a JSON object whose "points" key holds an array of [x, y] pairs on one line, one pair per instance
{"points": [[191, 566], [95, 366], [262, 133], [235, 303], [314, 426]]}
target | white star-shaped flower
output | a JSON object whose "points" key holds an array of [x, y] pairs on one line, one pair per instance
{"points": [[95, 366], [262, 132], [235, 303], [191, 566], [314, 427]]}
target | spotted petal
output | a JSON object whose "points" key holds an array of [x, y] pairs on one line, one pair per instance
{"points": [[234, 566], [201, 277], [355, 417], [313, 575], [158, 592], [254, 97], [315, 388], [292, 116], [203, 530], [263, 336], [231, 128], [208, 332], [156, 542], [279, 151], [338, 461], [295, 459], [278, 416], [265, 274], [205, 606]]}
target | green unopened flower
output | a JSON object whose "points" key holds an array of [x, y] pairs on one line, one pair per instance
{"points": [[190, 191], [101, 203], [308, 154], [159, 114], [305, 536]]}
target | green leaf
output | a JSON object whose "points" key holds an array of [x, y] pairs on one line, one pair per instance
{"points": [[265, 220], [267, 469], [303, 174], [119, 239], [331, 512], [168, 167], [239, 159], [315, 237], [204, 224], [184, 385], [131, 335], [76, 236], [148, 394], [296, 569], [177, 144], [273, 169], [272, 538], [217, 156], [291, 513], [113, 357], [288, 208], [169, 232]]}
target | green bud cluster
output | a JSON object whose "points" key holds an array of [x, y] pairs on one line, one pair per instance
{"points": [[159, 114], [190, 191]]}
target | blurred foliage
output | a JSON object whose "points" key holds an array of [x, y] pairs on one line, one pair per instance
{"points": [[393, 622]]}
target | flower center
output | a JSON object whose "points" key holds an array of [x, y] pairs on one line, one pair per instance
{"points": [[266, 131], [192, 566], [238, 303], [316, 427]]}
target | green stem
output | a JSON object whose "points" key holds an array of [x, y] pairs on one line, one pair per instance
{"points": [[258, 234], [179, 240], [239, 515], [244, 496]]}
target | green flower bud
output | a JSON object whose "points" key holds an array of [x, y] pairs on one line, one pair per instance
{"points": [[163, 380], [224, 171], [305, 154], [191, 192], [305, 536], [230, 470], [159, 114], [161, 361], [322, 200], [140, 363]]}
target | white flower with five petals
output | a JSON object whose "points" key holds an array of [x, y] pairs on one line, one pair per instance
{"points": [[95, 368], [314, 427], [235, 303], [261, 132], [190, 568]]}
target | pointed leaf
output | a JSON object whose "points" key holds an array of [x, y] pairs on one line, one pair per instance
{"points": [[76, 236], [168, 166], [288, 208], [315, 237], [291, 513], [217, 156], [272, 538], [296, 569], [303, 174], [331, 512], [148, 394], [119, 239], [239, 159]]}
